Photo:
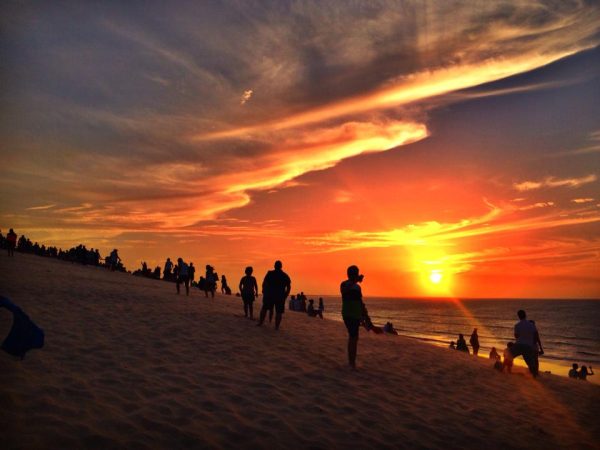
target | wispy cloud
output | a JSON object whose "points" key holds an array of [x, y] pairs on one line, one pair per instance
{"points": [[552, 182], [583, 200], [42, 207]]}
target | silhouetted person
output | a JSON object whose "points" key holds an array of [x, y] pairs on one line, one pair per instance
{"points": [[461, 344], [114, 259], [389, 328], [494, 354], [583, 373], [311, 311], [276, 288], [474, 341], [573, 372], [183, 276], [167, 269], [249, 291], [224, 287], [525, 332], [508, 357], [192, 273], [11, 242], [210, 281], [452, 345], [321, 306], [352, 310]]}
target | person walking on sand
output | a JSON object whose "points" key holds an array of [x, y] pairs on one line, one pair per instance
{"points": [[525, 345], [474, 341], [276, 287], [249, 291], [183, 276], [11, 242], [192, 273], [210, 283], [167, 269], [352, 309]]}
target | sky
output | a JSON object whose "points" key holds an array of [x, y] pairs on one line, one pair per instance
{"points": [[446, 148]]}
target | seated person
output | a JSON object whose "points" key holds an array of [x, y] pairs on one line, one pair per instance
{"points": [[494, 354], [583, 373], [508, 358], [461, 344], [452, 345], [389, 328], [573, 372], [367, 323]]}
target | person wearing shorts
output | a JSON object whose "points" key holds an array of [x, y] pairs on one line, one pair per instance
{"points": [[352, 309], [249, 291], [276, 288]]}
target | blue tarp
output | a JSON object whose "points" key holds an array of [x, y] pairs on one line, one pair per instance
{"points": [[24, 334]]}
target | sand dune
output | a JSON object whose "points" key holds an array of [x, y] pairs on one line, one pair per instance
{"points": [[130, 364]]}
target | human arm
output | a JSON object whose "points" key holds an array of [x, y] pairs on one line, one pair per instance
{"points": [[255, 286]]}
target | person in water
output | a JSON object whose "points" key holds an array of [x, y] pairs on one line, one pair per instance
{"points": [[249, 291], [584, 373], [474, 341], [352, 310], [276, 287], [573, 372], [461, 344]]}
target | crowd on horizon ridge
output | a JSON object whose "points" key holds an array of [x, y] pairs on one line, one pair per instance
{"points": [[276, 288]]}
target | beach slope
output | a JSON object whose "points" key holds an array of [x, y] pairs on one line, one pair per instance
{"points": [[130, 364]]}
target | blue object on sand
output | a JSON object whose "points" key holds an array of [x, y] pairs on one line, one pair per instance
{"points": [[24, 334]]}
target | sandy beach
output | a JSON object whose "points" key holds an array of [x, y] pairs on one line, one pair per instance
{"points": [[130, 364]]}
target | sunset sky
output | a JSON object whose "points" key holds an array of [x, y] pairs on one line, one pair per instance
{"points": [[447, 148]]}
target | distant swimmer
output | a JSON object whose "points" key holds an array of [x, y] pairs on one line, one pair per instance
{"points": [[183, 275], [276, 287], [474, 341], [352, 310], [249, 291], [526, 345]]}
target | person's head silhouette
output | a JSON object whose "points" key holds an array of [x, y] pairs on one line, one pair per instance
{"points": [[521, 314], [248, 270], [278, 265]]}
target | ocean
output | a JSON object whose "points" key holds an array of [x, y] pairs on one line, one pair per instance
{"points": [[569, 329]]}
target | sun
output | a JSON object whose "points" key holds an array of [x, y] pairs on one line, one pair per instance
{"points": [[435, 276]]}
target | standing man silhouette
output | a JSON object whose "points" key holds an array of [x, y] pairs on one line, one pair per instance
{"points": [[276, 287], [352, 309]]}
